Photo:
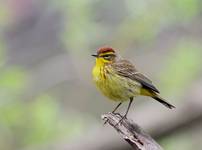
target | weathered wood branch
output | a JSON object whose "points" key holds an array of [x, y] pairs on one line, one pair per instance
{"points": [[131, 132]]}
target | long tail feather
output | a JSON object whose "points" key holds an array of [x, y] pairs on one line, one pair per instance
{"points": [[162, 101]]}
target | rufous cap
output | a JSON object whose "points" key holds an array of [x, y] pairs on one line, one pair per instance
{"points": [[105, 49]]}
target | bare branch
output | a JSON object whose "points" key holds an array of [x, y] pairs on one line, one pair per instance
{"points": [[131, 132]]}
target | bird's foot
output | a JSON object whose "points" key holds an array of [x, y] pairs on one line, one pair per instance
{"points": [[106, 120], [121, 120]]}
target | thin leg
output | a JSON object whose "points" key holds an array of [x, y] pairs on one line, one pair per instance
{"points": [[116, 107], [114, 110], [125, 116], [131, 100]]}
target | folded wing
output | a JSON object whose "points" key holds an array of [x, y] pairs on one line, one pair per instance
{"points": [[127, 69]]}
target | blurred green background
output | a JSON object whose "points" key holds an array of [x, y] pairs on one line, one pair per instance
{"points": [[46, 93]]}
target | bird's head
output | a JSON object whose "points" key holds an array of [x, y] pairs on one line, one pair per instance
{"points": [[105, 55]]}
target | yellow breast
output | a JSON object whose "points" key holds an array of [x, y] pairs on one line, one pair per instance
{"points": [[96, 74], [112, 85]]}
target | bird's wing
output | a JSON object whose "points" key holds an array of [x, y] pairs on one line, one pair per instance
{"points": [[127, 69]]}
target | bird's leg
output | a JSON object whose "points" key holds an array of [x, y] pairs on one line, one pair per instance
{"points": [[114, 111], [125, 116], [116, 107], [131, 100]]}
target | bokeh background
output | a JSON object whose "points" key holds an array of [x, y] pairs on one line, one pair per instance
{"points": [[47, 98]]}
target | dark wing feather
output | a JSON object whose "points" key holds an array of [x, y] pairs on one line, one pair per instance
{"points": [[127, 69]]}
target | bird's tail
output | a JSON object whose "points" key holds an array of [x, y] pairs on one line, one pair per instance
{"points": [[155, 96], [162, 101]]}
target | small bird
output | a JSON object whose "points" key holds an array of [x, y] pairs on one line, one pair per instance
{"points": [[119, 80]]}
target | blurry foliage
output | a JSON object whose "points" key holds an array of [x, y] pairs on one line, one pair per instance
{"points": [[182, 67], [184, 9], [142, 23], [36, 122], [4, 14], [184, 140], [12, 79], [2, 52], [79, 28], [147, 18], [47, 122], [12, 85], [25, 123]]}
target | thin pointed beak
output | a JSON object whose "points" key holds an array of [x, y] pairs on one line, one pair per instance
{"points": [[95, 55]]}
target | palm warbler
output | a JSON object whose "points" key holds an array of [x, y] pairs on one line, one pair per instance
{"points": [[119, 80]]}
